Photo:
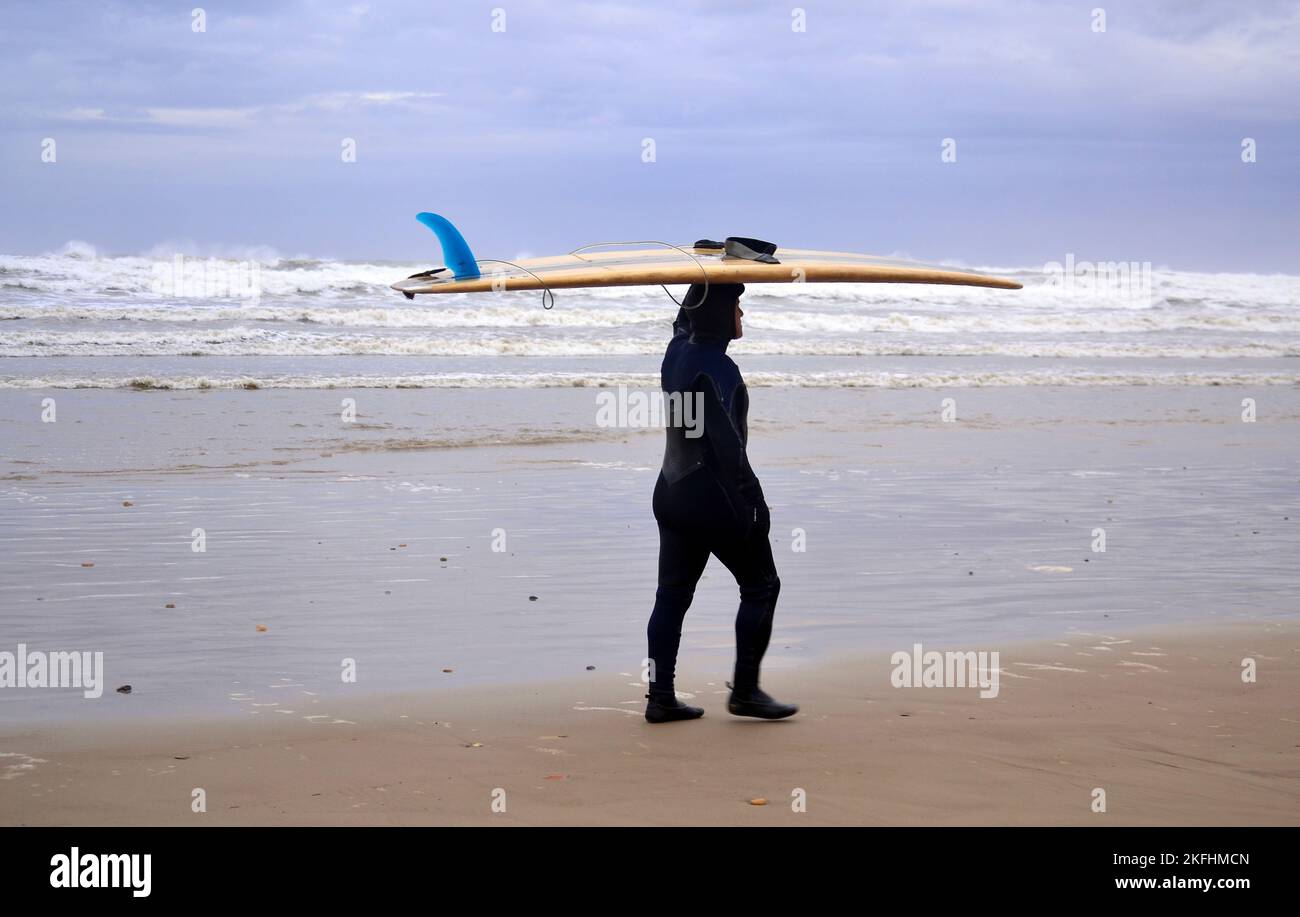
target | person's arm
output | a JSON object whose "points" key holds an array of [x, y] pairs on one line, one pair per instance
{"points": [[682, 323], [727, 443], [740, 411]]}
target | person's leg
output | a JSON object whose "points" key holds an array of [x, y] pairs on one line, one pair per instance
{"points": [[682, 557], [749, 558], [681, 561], [750, 561]]}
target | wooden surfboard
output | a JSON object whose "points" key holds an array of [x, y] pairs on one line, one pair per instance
{"points": [[668, 265]]}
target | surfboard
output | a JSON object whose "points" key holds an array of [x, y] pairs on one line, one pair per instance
{"points": [[666, 264]]}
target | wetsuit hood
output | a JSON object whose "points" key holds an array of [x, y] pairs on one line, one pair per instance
{"points": [[712, 310]]}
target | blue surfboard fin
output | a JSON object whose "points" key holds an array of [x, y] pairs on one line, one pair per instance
{"points": [[455, 250]]}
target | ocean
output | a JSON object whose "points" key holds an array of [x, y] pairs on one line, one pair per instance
{"points": [[76, 320]]}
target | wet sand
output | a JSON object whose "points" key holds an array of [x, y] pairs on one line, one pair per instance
{"points": [[373, 541], [1160, 721]]}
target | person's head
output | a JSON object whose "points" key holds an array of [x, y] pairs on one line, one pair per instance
{"points": [[715, 310]]}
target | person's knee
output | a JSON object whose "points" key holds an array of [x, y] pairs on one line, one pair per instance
{"points": [[675, 596], [764, 590]]}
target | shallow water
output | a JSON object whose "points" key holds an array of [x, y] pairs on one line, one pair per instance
{"points": [[332, 536]]}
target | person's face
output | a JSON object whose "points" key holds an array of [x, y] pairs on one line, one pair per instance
{"points": [[740, 331]]}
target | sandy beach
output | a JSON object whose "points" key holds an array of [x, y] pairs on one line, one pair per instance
{"points": [[1161, 721], [363, 562]]}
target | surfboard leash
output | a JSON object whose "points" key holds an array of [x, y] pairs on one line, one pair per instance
{"points": [[662, 286], [546, 291]]}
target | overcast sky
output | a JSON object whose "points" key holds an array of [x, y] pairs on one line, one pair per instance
{"points": [[1122, 144]]}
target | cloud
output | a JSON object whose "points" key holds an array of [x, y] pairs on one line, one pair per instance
{"points": [[340, 101], [231, 118], [80, 114], [202, 117], [1118, 131]]}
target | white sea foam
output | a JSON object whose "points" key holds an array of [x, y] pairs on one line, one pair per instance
{"points": [[79, 268], [649, 380], [653, 317], [245, 340], [76, 303]]}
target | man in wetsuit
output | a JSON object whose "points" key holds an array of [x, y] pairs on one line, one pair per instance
{"points": [[707, 500]]}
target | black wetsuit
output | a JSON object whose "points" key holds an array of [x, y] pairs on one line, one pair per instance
{"points": [[707, 499]]}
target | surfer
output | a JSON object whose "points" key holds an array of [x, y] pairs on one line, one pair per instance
{"points": [[707, 500]]}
